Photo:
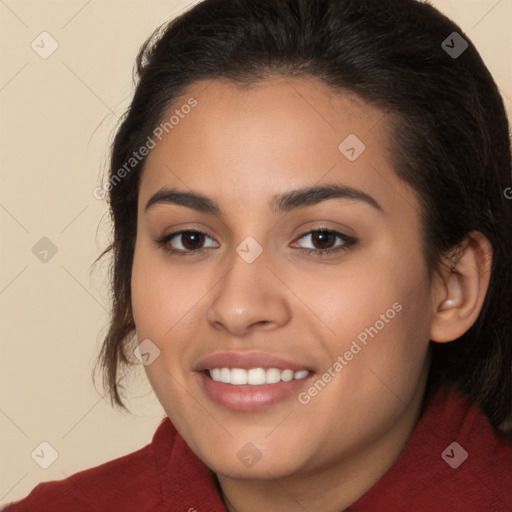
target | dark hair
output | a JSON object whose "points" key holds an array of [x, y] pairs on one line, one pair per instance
{"points": [[447, 123]]}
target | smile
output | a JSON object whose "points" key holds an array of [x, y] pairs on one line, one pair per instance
{"points": [[255, 376]]}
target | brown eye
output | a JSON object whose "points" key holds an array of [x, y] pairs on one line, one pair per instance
{"points": [[192, 240], [323, 242], [323, 239], [186, 242]]}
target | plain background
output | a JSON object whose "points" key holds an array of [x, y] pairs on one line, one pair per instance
{"points": [[57, 120]]}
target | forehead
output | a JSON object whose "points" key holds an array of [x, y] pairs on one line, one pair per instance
{"points": [[247, 143]]}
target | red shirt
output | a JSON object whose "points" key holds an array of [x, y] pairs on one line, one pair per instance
{"points": [[166, 476]]}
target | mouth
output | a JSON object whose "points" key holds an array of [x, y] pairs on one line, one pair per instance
{"points": [[251, 381]]}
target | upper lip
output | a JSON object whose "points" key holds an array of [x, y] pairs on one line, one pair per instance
{"points": [[248, 360]]}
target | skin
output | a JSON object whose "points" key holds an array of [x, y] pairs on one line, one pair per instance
{"points": [[240, 147]]}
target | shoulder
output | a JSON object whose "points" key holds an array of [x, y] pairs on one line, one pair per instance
{"points": [[474, 465], [128, 483]]}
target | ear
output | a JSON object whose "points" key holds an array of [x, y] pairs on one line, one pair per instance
{"points": [[460, 288]]}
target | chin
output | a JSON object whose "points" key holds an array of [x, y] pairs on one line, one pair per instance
{"points": [[247, 462], [261, 470]]}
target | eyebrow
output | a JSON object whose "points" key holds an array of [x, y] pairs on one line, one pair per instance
{"points": [[282, 203]]}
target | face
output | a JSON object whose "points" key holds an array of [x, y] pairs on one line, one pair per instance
{"points": [[255, 283]]}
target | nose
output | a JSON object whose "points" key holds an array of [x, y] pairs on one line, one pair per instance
{"points": [[249, 296]]}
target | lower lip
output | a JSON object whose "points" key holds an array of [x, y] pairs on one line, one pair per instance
{"points": [[249, 398]]}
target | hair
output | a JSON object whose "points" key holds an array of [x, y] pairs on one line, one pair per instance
{"points": [[446, 120]]}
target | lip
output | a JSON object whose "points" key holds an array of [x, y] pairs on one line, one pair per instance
{"points": [[248, 398], [248, 360]]}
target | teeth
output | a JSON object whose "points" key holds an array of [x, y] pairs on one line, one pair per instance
{"points": [[287, 375], [238, 376], [255, 376], [273, 376], [225, 375]]}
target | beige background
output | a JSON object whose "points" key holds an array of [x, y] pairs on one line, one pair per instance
{"points": [[57, 120]]}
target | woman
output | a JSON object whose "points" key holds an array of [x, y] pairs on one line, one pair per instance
{"points": [[312, 257]]}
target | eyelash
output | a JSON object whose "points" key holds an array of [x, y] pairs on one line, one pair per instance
{"points": [[320, 253]]}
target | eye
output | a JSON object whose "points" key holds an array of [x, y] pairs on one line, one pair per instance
{"points": [[188, 242], [325, 239]]}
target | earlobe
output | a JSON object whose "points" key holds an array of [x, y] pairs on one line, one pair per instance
{"points": [[460, 292]]}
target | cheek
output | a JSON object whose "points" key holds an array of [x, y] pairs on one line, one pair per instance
{"points": [[167, 309], [382, 362], [353, 297], [378, 317], [161, 296], [161, 312]]}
